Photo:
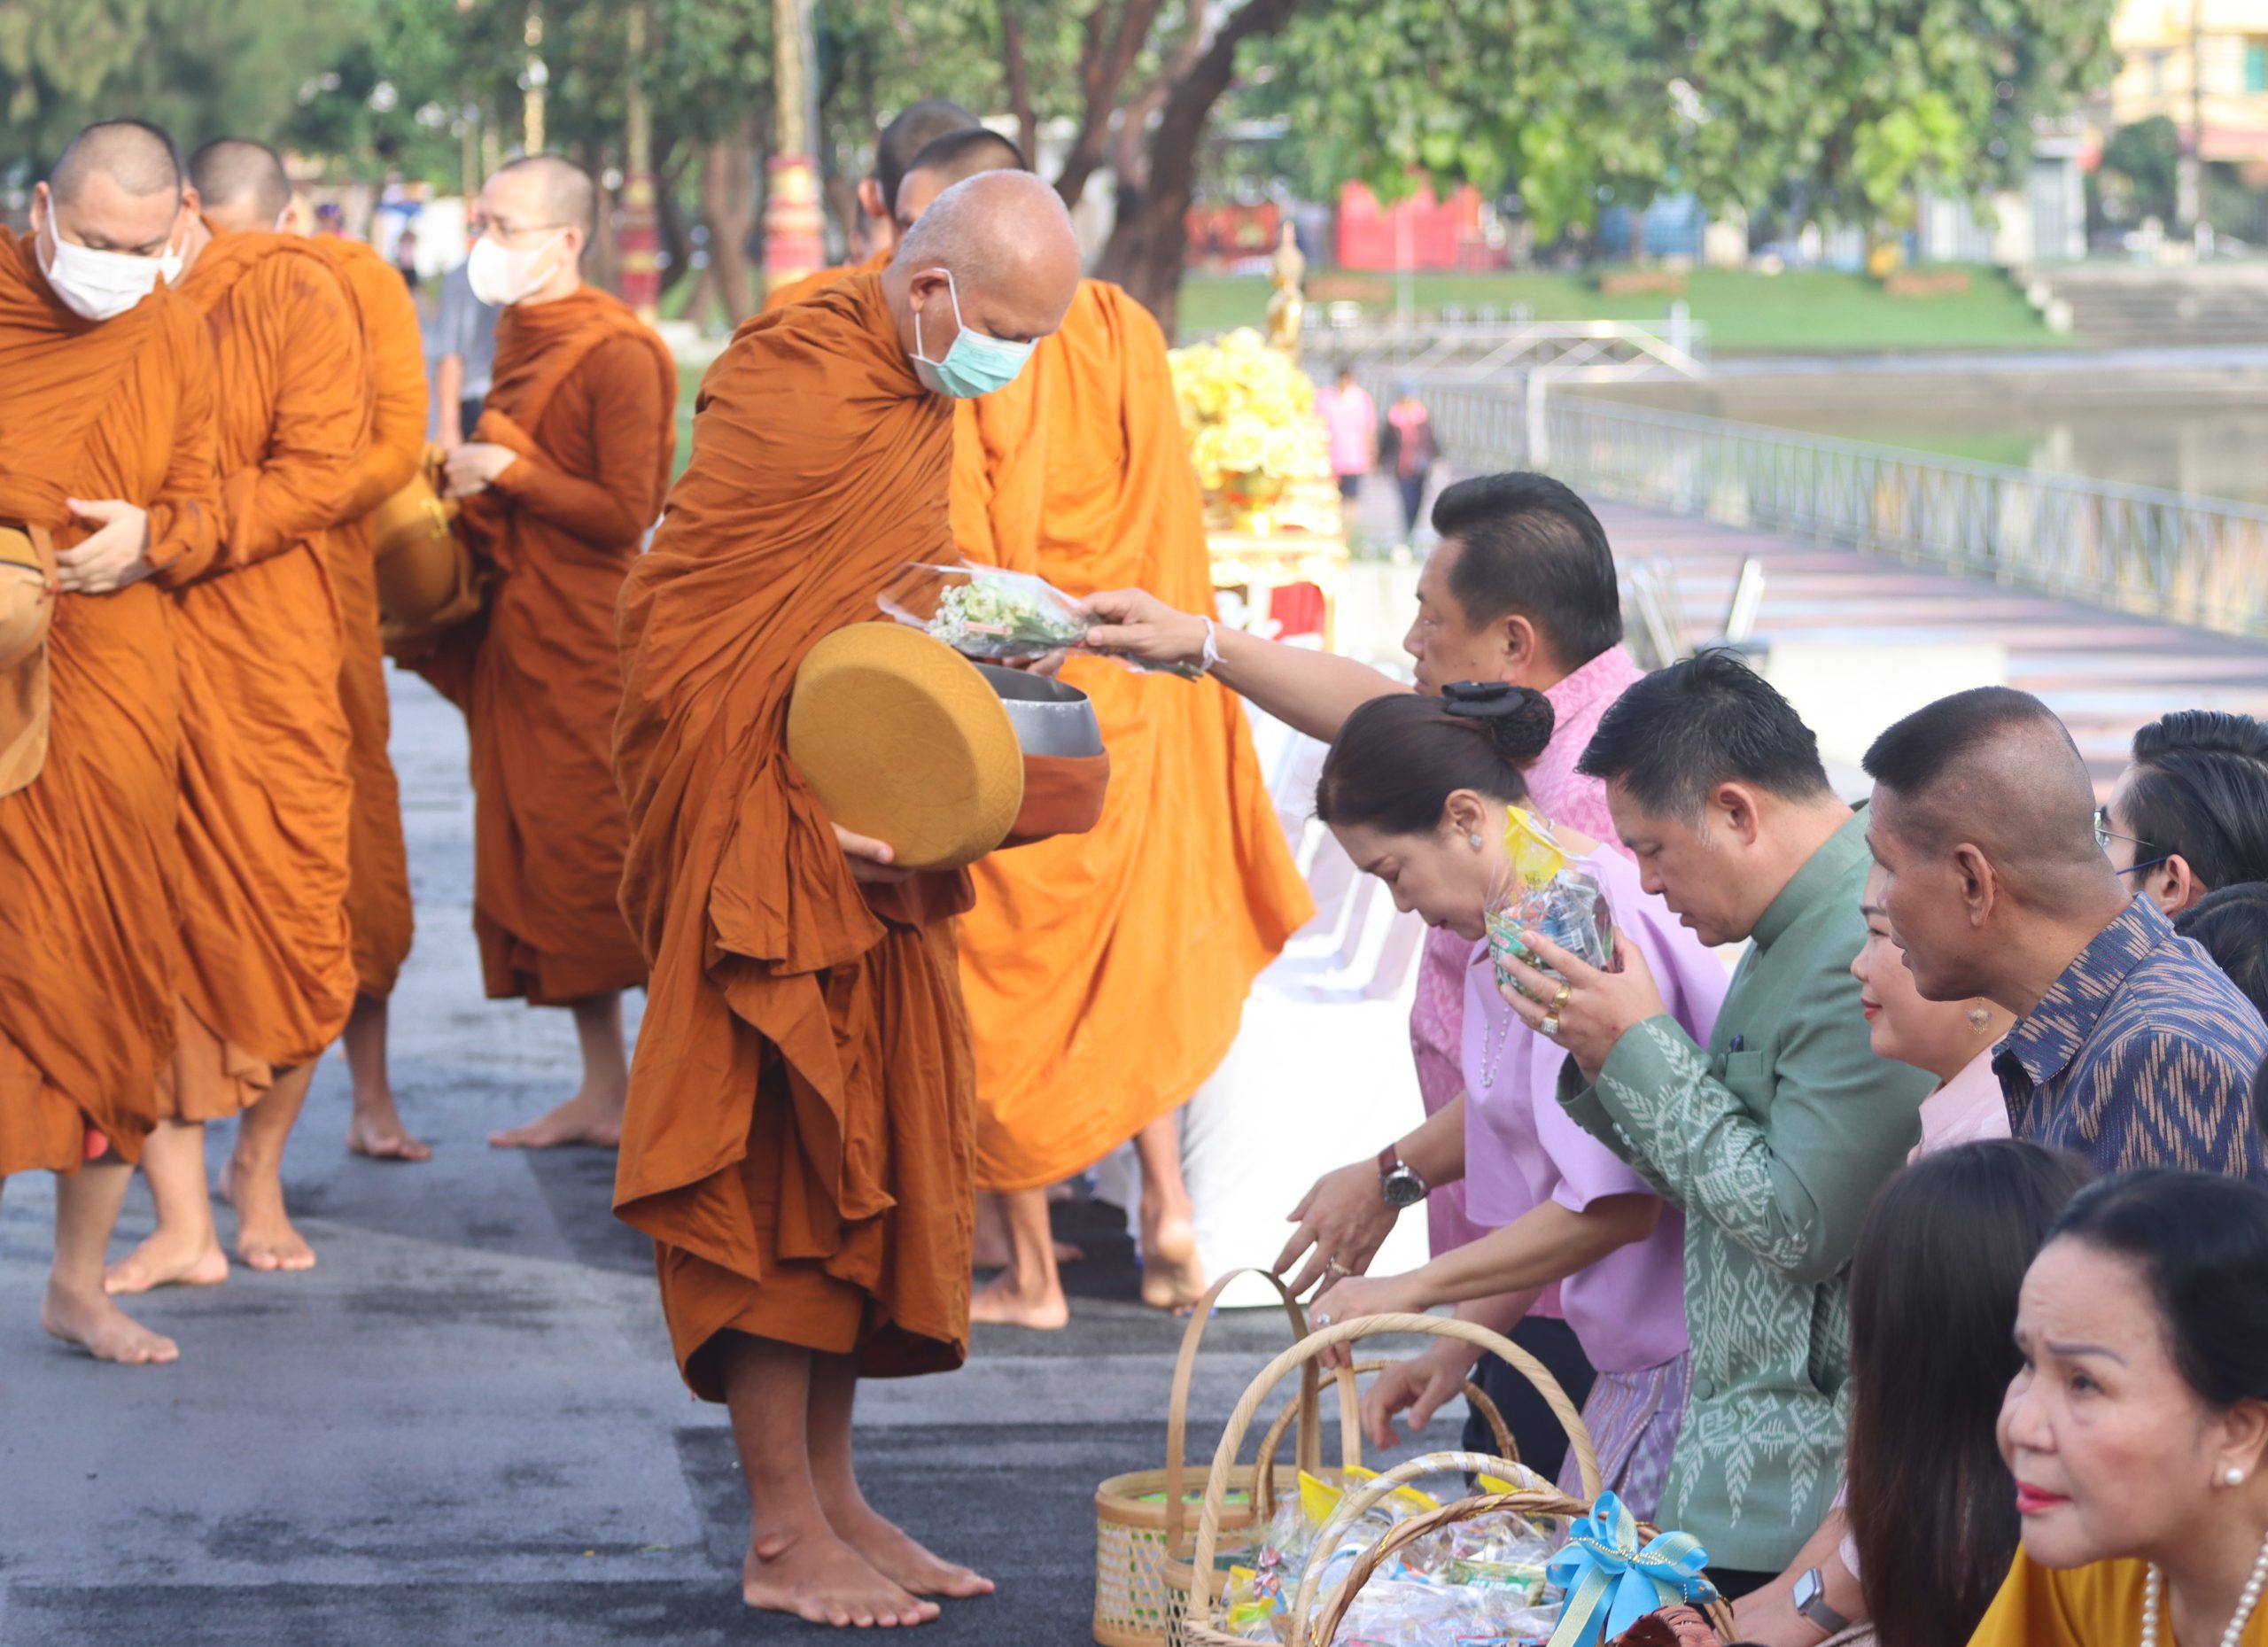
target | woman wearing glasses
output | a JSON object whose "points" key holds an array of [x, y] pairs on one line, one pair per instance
{"points": [[2190, 815]]}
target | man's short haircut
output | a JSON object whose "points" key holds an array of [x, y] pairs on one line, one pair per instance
{"points": [[959, 154], [915, 129], [228, 171], [1526, 544], [1995, 766], [1674, 736], [139, 157]]}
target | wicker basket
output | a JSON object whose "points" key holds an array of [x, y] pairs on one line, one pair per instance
{"points": [[1180, 1573], [1143, 1516], [1199, 1629]]}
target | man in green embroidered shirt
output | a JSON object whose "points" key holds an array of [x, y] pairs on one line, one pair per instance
{"points": [[1774, 1138]]}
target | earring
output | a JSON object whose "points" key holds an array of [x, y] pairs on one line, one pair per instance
{"points": [[1980, 1018], [2235, 1478], [1477, 841]]}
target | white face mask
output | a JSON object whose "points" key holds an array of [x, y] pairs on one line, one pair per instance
{"points": [[502, 276], [102, 285]]}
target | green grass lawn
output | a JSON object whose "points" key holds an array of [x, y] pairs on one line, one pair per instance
{"points": [[1808, 311]]}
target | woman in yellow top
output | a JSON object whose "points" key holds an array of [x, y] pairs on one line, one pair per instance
{"points": [[2137, 1427]]}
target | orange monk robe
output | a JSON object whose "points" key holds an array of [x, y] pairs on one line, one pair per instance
{"points": [[812, 285], [803, 1105], [378, 913], [90, 853], [587, 394], [1106, 973], [265, 795]]}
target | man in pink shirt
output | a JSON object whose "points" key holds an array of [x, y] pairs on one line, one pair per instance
{"points": [[1520, 589], [1352, 422]]}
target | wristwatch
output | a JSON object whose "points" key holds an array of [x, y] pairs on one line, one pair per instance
{"points": [[1399, 1185], [1811, 1601]]}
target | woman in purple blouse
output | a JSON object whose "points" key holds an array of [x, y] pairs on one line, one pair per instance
{"points": [[1417, 791]]}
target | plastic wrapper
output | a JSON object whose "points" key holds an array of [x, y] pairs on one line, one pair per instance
{"points": [[987, 613], [1543, 895]]}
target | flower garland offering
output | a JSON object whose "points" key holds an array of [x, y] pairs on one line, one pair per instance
{"points": [[981, 611]]}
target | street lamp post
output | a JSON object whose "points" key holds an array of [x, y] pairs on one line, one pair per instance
{"points": [[792, 223]]}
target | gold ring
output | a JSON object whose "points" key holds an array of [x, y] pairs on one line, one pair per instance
{"points": [[1559, 1001]]}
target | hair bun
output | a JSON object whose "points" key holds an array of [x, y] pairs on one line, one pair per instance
{"points": [[1518, 719]]}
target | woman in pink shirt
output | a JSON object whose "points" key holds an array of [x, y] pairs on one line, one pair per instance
{"points": [[1417, 790], [1351, 420]]}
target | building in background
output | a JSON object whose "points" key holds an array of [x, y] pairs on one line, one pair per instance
{"points": [[2220, 47]]}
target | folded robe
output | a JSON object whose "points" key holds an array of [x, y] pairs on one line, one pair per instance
{"points": [[1106, 973], [587, 394], [265, 798], [379, 917], [90, 854], [802, 1108]]}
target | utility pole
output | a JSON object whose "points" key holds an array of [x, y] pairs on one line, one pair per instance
{"points": [[792, 222], [642, 268], [2189, 205]]}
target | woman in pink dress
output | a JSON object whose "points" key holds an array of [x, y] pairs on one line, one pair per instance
{"points": [[1419, 791]]}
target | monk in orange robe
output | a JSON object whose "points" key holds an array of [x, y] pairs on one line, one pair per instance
{"points": [[1114, 965], [244, 188], [801, 1130], [895, 148], [270, 976], [561, 481], [106, 444]]}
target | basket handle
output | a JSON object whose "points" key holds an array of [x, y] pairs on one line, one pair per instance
{"points": [[1350, 1442], [1302, 1355], [1355, 1505], [1535, 1501], [1309, 1451]]}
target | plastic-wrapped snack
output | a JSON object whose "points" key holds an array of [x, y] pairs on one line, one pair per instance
{"points": [[981, 611], [1543, 895]]}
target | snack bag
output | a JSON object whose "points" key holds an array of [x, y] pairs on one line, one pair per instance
{"points": [[1543, 895]]}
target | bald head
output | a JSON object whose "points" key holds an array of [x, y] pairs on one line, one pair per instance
{"points": [[134, 157], [949, 159], [547, 190], [998, 249], [242, 183]]}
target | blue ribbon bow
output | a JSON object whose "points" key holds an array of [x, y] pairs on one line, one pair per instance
{"points": [[1611, 1583]]}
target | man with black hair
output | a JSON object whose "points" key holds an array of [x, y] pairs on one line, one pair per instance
{"points": [[1772, 1138], [1521, 589], [2130, 1047]]}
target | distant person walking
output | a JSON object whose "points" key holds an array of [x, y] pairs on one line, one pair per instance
{"points": [[467, 333], [1408, 450], [1351, 418], [405, 257]]}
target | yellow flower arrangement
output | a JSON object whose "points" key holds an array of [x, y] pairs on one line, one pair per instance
{"points": [[1250, 412]]}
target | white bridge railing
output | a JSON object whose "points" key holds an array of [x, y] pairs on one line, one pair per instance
{"points": [[1452, 349], [2194, 560]]}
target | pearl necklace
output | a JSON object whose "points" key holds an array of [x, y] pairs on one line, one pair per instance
{"points": [[2155, 1584]]}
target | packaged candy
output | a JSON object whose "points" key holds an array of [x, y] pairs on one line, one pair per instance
{"points": [[1543, 895]]}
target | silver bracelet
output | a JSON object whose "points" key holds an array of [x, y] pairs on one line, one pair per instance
{"points": [[1212, 653]]}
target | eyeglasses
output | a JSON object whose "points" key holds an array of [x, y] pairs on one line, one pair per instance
{"points": [[2104, 835], [502, 230]]}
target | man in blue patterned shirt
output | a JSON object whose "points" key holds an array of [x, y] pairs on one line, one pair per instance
{"points": [[2130, 1047]]}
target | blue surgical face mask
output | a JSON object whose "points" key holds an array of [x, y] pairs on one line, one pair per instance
{"points": [[974, 365]]}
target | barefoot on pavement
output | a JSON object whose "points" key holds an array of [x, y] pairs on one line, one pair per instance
{"points": [[582, 1119], [896, 1556], [104, 1330], [266, 1240], [163, 1262], [821, 1579], [998, 1303], [1171, 1277], [377, 1132]]}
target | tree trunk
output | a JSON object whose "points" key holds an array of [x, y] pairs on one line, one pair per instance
{"points": [[1150, 242], [728, 203], [1018, 79], [1105, 60]]}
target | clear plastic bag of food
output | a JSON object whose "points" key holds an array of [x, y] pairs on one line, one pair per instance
{"points": [[1544, 895], [981, 611]]}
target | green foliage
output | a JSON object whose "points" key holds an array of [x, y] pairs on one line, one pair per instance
{"points": [[2139, 166]]}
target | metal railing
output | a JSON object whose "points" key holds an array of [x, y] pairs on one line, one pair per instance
{"points": [[2194, 560], [1452, 349]]}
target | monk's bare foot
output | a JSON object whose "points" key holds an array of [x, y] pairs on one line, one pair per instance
{"points": [[582, 1119], [266, 1240], [165, 1260], [102, 1330], [376, 1130], [896, 1556], [998, 1254], [1000, 1302], [821, 1579], [1172, 1278]]}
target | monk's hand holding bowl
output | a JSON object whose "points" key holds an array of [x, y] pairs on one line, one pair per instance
{"points": [[870, 860], [1135, 624], [114, 555], [474, 466], [1592, 1010]]}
